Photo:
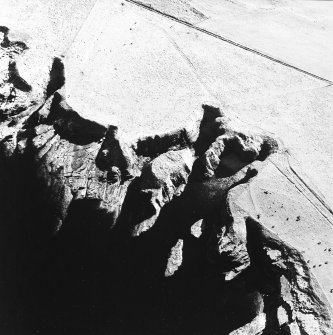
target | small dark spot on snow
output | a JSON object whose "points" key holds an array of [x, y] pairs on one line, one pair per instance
{"points": [[266, 192], [287, 219], [314, 266], [319, 243], [319, 265], [298, 218], [273, 226], [258, 216]]}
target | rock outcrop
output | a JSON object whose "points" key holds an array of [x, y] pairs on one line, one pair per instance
{"points": [[128, 234]]}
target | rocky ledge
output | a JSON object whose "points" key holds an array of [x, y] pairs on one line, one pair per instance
{"points": [[183, 231]]}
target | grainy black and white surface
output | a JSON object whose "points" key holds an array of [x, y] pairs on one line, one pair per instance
{"points": [[166, 167]]}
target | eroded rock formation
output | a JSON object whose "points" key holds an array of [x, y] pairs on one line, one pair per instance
{"points": [[141, 235]]}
